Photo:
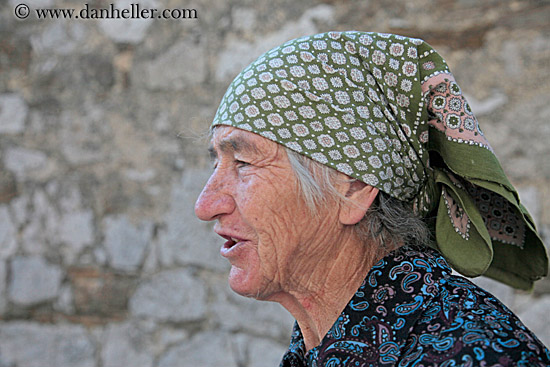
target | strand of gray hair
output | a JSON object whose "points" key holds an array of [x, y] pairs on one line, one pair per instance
{"points": [[388, 224]]}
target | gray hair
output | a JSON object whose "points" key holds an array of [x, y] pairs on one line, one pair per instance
{"points": [[388, 224]]}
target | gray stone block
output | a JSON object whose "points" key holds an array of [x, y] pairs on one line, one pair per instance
{"points": [[172, 295], [22, 161], [161, 74], [127, 30], [76, 231], [206, 350], [8, 231], [41, 227], [169, 337], [19, 208], [125, 345], [59, 38], [35, 238], [28, 344], [13, 112], [125, 243], [33, 280]]}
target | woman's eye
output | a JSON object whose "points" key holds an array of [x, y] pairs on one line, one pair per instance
{"points": [[241, 164]]}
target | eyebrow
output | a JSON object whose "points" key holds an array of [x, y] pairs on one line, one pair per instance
{"points": [[236, 144]]}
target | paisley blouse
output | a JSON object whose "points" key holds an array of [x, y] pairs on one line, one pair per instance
{"points": [[411, 311]]}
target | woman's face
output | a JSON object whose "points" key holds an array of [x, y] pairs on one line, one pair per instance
{"points": [[272, 237]]}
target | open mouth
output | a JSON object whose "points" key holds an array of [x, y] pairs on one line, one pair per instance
{"points": [[231, 242]]}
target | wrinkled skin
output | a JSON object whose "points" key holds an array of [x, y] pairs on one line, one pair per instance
{"points": [[252, 194], [278, 249]]}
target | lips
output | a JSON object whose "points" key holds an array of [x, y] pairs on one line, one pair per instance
{"points": [[231, 245]]}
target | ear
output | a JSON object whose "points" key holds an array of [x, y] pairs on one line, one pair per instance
{"points": [[361, 197]]}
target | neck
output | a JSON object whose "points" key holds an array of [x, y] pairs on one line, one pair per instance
{"points": [[318, 299]]}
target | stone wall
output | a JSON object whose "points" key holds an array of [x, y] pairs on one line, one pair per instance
{"points": [[102, 262]]}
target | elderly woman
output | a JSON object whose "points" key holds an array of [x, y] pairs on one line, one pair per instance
{"points": [[349, 173]]}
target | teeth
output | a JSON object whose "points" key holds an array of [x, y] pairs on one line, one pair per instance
{"points": [[234, 240]]}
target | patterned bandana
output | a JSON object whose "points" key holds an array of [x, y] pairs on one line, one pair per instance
{"points": [[387, 111]]}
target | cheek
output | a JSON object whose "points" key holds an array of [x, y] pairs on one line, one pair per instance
{"points": [[276, 215], [257, 200], [280, 240]]}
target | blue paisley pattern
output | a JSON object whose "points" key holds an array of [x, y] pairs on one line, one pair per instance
{"points": [[411, 311]]}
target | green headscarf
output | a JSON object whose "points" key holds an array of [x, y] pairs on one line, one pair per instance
{"points": [[387, 111]]}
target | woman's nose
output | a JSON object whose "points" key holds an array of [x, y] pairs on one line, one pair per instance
{"points": [[214, 199]]}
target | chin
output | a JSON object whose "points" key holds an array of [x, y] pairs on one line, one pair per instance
{"points": [[247, 283]]}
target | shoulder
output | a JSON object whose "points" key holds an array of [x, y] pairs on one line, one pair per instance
{"points": [[465, 324]]}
